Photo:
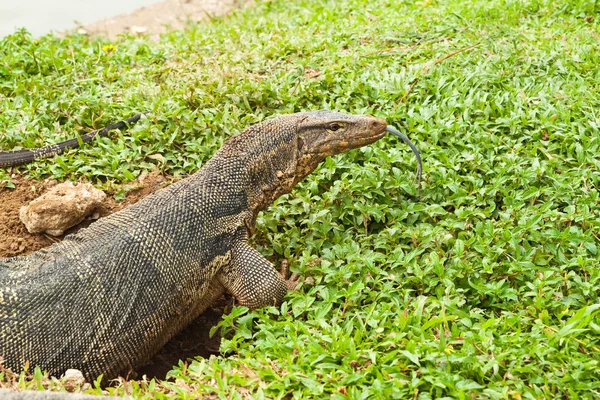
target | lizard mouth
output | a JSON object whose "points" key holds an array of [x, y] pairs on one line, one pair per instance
{"points": [[377, 130], [373, 137]]}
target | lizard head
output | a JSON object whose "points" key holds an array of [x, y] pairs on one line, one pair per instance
{"points": [[280, 152], [326, 133]]}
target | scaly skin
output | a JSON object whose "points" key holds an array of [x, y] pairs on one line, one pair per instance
{"points": [[107, 298]]}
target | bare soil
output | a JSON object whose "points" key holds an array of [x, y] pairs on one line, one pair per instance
{"points": [[162, 17], [16, 241], [14, 238]]}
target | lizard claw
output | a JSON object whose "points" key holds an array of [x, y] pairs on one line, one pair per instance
{"points": [[294, 279], [284, 268]]}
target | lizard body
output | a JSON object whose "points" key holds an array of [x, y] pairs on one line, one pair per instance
{"points": [[107, 298]]}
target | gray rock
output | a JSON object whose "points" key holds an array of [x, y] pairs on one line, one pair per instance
{"points": [[63, 206], [73, 379]]}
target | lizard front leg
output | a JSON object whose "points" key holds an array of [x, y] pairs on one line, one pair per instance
{"points": [[252, 279]]}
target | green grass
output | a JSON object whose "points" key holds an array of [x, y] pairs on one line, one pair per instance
{"points": [[486, 288]]}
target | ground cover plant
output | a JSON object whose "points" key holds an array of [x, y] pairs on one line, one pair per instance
{"points": [[485, 288]]}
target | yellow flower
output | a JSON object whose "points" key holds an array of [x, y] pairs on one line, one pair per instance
{"points": [[108, 48]]}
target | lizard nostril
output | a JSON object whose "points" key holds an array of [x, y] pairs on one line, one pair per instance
{"points": [[378, 125]]}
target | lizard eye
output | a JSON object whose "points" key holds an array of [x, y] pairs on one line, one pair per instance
{"points": [[334, 127]]}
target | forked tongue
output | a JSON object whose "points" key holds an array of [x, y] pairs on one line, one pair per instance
{"points": [[417, 154]]}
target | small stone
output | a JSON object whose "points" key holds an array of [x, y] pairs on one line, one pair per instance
{"points": [[63, 206], [137, 30], [72, 379]]}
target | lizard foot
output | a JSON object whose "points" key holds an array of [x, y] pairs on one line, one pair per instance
{"points": [[294, 279]]}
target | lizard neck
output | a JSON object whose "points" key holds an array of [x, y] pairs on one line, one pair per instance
{"points": [[254, 182], [267, 178], [267, 155]]}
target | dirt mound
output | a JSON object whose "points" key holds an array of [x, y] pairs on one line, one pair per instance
{"points": [[14, 238]]}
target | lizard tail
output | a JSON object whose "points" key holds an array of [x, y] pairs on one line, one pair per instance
{"points": [[19, 157]]}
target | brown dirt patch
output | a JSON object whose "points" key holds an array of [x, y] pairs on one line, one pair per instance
{"points": [[192, 342], [14, 238]]}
